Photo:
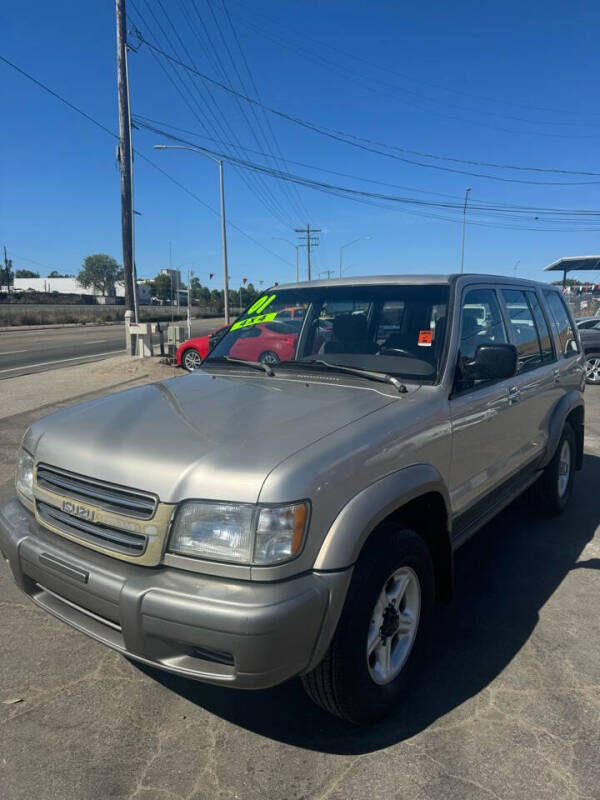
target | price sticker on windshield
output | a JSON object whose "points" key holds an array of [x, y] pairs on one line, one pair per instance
{"points": [[425, 338], [245, 323], [257, 309]]}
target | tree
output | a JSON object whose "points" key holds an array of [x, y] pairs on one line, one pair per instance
{"points": [[162, 287], [26, 273], [101, 273], [55, 274]]}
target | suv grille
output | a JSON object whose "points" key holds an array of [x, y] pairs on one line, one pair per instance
{"points": [[131, 544], [102, 495]]}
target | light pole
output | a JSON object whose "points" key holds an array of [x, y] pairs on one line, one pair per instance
{"points": [[354, 241], [297, 246], [462, 253], [223, 225]]}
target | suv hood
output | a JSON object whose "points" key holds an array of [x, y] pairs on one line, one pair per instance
{"points": [[203, 436]]}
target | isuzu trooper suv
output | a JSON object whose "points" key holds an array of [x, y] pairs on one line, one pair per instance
{"points": [[263, 519]]}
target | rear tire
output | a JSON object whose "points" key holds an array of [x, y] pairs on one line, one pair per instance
{"points": [[352, 681], [269, 358], [553, 490], [592, 368]]}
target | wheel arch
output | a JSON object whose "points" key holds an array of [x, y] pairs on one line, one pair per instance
{"points": [[570, 408], [415, 496]]}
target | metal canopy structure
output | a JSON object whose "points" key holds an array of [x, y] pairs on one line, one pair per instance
{"points": [[573, 264]]}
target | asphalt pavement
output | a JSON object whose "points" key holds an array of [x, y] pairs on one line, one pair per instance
{"points": [[25, 351], [506, 706]]}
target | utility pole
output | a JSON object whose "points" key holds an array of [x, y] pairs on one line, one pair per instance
{"points": [[125, 157], [224, 238], [329, 272], [462, 253], [311, 241], [7, 271]]}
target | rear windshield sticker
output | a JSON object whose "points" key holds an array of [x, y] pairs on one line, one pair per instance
{"points": [[245, 323], [425, 338]]}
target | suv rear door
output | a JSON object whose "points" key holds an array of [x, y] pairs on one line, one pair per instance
{"points": [[535, 389]]}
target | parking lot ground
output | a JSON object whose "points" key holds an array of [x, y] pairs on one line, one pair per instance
{"points": [[507, 706]]}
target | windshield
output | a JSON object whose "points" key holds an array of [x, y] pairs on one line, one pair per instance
{"points": [[394, 329]]}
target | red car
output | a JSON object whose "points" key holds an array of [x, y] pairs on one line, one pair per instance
{"points": [[192, 352], [268, 342]]}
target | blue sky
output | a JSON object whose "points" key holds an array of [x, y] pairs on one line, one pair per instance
{"points": [[511, 83]]}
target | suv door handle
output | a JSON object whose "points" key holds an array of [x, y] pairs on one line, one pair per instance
{"points": [[556, 374], [514, 395]]}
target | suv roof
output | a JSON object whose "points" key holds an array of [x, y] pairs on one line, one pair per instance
{"points": [[371, 280]]}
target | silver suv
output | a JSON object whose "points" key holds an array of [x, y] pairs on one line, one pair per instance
{"points": [[292, 507]]}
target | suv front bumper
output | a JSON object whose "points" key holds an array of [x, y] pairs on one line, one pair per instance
{"points": [[233, 632]]}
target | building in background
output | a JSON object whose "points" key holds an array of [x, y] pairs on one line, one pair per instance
{"points": [[71, 286]]}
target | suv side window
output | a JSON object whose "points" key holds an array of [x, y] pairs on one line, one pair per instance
{"points": [[546, 344], [481, 323], [561, 323], [524, 330]]}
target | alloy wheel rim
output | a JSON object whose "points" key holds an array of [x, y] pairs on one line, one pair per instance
{"points": [[564, 468], [393, 626], [192, 360], [592, 370], [270, 359]]}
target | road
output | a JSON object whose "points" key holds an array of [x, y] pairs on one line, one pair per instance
{"points": [[25, 351]]}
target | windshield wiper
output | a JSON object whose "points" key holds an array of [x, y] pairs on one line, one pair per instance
{"points": [[253, 364], [382, 377]]}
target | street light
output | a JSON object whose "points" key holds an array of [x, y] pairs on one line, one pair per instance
{"points": [[462, 254], [297, 246], [354, 241], [223, 228]]}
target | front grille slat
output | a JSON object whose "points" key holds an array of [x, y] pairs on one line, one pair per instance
{"points": [[112, 498], [94, 533]]}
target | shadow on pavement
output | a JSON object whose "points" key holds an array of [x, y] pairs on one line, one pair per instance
{"points": [[504, 575]]}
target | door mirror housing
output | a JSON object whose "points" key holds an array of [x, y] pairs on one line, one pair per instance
{"points": [[492, 362]]}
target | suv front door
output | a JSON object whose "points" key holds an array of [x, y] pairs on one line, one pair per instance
{"points": [[484, 449]]}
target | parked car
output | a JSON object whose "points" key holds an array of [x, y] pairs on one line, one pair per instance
{"points": [[191, 353], [589, 331], [256, 522], [268, 343]]}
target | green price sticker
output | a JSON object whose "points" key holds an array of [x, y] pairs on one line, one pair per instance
{"points": [[258, 310], [261, 304], [246, 323]]}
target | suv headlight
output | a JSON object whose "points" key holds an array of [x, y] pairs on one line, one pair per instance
{"points": [[24, 476], [243, 534]]}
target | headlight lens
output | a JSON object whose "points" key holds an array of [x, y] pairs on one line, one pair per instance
{"points": [[241, 534], [218, 531], [279, 533], [24, 476]]}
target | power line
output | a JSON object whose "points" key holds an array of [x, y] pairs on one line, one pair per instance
{"points": [[143, 121], [488, 207], [328, 46], [257, 94], [358, 142], [215, 118], [142, 156]]}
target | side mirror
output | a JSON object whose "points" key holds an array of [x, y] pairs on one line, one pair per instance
{"points": [[492, 362]]}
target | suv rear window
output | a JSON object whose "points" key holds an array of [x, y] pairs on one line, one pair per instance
{"points": [[529, 330], [561, 323]]}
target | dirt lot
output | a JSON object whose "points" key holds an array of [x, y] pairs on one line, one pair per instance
{"points": [[507, 707]]}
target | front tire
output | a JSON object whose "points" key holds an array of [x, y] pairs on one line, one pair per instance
{"points": [[191, 360], [592, 368], [555, 486], [381, 632]]}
